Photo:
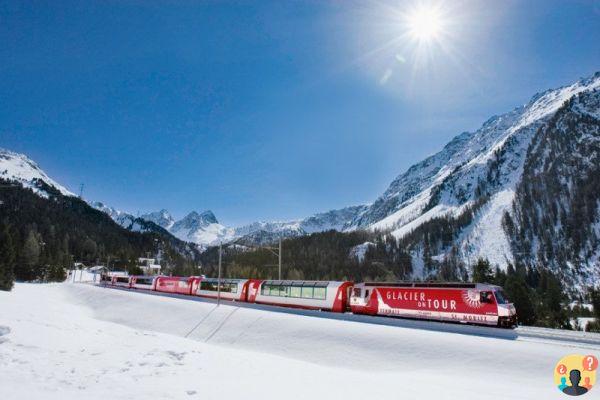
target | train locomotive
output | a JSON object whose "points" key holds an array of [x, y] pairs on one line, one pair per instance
{"points": [[471, 303]]}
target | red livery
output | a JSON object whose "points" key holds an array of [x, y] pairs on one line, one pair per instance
{"points": [[176, 284], [473, 303], [462, 302]]}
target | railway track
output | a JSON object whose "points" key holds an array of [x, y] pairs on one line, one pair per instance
{"points": [[522, 333]]}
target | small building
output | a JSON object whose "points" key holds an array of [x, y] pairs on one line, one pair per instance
{"points": [[149, 266]]}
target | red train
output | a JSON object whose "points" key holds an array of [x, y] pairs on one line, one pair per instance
{"points": [[473, 303]]}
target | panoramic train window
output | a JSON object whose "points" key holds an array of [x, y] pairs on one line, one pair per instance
{"points": [[320, 293], [226, 286], [307, 292], [304, 290], [295, 291]]}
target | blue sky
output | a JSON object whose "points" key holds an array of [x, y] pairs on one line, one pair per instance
{"points": [[269, 109]]}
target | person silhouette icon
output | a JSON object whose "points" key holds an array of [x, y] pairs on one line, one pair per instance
{"points": [[587, 383], [575, 389], [563, 383]]}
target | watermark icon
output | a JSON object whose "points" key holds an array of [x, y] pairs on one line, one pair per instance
{"points": [[575, 374]]}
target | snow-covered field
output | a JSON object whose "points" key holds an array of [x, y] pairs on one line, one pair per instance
{"points": [[77, 341]]}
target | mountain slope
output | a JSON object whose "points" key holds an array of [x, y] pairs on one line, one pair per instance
{"points": [[161, 218], [475, 173], [49, 232], [20, 168], [201, 228], [555, 219]]}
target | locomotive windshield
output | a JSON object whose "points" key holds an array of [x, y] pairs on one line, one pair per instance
{"points": [[501, 297]]}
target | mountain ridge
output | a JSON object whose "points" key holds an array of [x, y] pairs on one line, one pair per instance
{"points": [[478, 173]]}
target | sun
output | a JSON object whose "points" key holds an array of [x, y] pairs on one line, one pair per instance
{"points": [[425, 23]]}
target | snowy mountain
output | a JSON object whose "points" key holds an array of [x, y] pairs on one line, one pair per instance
{"points": [[472, 183], [122, 218], [20, 168], [204, 229], [161, 218], [201, 228]]}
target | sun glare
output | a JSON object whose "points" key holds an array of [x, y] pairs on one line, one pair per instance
{"points": [[424, 23]]}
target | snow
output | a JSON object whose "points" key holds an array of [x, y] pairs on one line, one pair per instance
{"points": [[487, 238], [73, 341], [582, 322], [360, 251], [18, 167], [587, 306], [82, 275]]}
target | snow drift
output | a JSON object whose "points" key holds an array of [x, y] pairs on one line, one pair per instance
{"points": [[68, 341]]}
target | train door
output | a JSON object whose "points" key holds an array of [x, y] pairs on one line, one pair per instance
{"points": [[253, 290], [349, 290], [245, 287]]}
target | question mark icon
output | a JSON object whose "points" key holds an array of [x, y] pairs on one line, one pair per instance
{"points": [[590, 363]]}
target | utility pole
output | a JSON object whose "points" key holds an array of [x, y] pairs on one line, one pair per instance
{"points": [[107, 264], [279, 258], [219, 278]]}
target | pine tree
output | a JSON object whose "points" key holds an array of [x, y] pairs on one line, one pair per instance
{"points": [[30, 256], [7, 259], [595, 299], [482, 271], [520, 295]]}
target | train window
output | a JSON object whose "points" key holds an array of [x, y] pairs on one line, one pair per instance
{"points": [[295, 291], [320, 293], [356, 292], [307, 292], [207, 285], [366, 293], [501, 297], [486, 297]]}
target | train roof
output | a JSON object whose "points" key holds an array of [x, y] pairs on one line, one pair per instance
{"points": [[299, 283], [448, 285], [224, 280]]}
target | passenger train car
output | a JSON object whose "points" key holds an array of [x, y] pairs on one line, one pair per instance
{"points": [[312, 295], [231, 289], [143, 282], [473, 303], [122, 281], [177, 284]]}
